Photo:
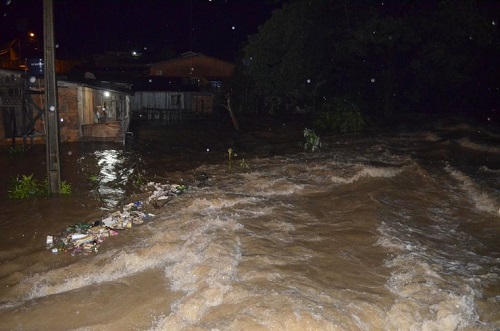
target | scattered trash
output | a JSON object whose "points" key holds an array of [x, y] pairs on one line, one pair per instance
{"points": [[86, 238]]}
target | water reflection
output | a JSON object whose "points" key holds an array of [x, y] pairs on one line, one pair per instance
{"points": [[108, 183]]}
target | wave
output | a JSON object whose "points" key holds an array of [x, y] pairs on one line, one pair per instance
{"points": [[482, 147], [482, 200], [426, 297]]}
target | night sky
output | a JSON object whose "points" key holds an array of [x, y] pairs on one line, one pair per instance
{"points": [[82, 27]]}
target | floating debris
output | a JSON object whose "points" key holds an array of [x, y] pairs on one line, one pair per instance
{"points": [[86, 238]]}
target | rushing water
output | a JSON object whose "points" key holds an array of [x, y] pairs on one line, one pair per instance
{"points": [[387, 232]]}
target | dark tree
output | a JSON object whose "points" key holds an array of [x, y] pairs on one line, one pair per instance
{"points": [[387, 58]]}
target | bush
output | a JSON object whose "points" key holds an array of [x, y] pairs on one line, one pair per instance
{"points": [[26, 186], [311, 141], [340, 115]]}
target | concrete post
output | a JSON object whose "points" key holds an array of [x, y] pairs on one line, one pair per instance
{"points": [[51, 110]]}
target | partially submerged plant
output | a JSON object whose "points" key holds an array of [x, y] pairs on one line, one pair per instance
{"points": [[66, 188], [230, 153], [230, 158], [26, 186], [94, 179], [311, 141], [137, 177], [16, 150], [243, 164]]}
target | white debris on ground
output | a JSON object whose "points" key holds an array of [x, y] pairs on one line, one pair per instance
{"points": [[86, 238]]}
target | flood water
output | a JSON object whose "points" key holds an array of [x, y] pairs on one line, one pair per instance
{"points": [[384, 232]]}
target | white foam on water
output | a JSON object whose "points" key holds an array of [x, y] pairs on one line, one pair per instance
{"points": [[264, 185], [204, 268], [112, 265], [109, 266], [255, 250], [467, 143], [367, 171], [488, 170], [422, 303], [482, 200], [435, 287], [420, 135], [217, 203], [274, 290]]}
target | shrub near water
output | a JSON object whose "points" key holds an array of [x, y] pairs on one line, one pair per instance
{"points": [[26, 186], [311, 141], [340, 115]]}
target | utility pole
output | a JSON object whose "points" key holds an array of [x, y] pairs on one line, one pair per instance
{"points": [[51, 110]]}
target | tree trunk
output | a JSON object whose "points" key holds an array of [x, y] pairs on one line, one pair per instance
{"points": [[231, 113]]}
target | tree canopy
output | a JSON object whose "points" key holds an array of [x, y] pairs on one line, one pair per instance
{"points": [[385, 57]]}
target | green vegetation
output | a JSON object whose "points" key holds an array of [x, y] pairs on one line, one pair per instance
{"points": [[311, 141], [230, 154], [66, 188], [230, 159], [243, 164], [137, 178], [136, 175], [16, 150], [341, 116], [94, 179], [392, 57], [26, 186]]}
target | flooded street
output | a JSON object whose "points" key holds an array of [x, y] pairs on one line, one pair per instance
{"points": [[381, 232]]}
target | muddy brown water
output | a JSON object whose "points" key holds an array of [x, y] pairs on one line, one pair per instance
{"points": [[383, 232]]}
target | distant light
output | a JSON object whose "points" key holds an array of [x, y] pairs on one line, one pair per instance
{"points": [[233, 27], [62, 120], [308, 81], [32, 79], [32, 34], [494, 22], [106, 94], [372, 80]]}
